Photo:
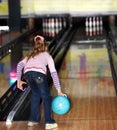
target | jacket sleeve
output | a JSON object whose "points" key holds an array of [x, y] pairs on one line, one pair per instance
{"points": [[54, 73], [19, 70]]}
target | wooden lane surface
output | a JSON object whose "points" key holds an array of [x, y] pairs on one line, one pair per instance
{"points": [[67, 125], [90, 110], [88, 113]]}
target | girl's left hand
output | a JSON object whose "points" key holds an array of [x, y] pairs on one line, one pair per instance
{"points": [[60, 93]]}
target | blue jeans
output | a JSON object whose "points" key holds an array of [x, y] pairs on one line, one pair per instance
{"points": [[39, 91]]}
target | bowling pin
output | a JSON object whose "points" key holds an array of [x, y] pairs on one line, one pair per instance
{"points": [[101, 26], [52, 28], [64, 23], [60, 24], [86, 26], [97, 25], [90, 26], [49, 27], [94, 28]]}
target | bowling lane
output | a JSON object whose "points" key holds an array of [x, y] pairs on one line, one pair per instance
{"points": [[87, 79]]}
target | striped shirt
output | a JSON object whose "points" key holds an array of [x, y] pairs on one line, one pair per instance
{"points": [[39, 64]]}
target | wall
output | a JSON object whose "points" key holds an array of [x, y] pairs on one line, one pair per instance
{"points": [[79, 7]]}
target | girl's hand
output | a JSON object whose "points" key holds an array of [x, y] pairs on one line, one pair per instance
{"points": [[60, 93], [20, 83]]}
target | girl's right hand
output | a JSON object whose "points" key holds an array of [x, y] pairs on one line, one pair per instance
{"points": [[60, 93]]}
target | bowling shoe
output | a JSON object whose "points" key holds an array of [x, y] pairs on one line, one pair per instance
{"points": [[30, 123], [50, 126]]}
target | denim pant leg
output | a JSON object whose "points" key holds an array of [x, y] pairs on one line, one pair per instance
{"points": [[47, 99], [35, 106], [35, 98]]}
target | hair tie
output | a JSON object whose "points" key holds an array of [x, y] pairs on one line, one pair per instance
{"points": [[38, 36]]}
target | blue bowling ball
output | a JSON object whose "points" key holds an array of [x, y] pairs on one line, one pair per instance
{"points": [[60, 105]]}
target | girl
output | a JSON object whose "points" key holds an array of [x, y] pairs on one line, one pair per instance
{"points": [[34, 67]]}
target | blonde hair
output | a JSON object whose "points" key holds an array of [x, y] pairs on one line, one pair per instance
{"points": [[39, 46]]}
